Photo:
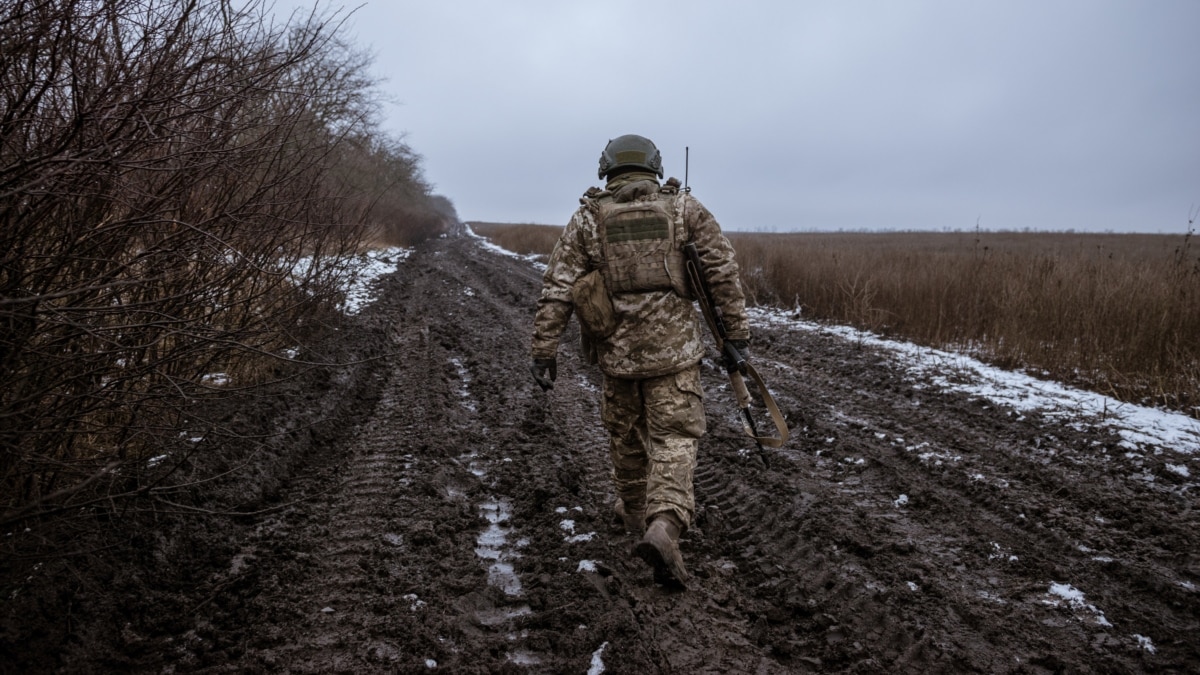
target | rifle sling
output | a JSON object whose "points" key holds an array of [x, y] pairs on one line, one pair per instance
{"points": [[772, 407]]}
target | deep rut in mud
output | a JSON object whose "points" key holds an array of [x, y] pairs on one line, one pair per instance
{"points": [[464, 524]]}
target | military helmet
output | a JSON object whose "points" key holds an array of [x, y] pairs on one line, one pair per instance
{"points": [[630, 150]]}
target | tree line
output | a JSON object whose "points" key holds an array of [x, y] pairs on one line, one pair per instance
{"points": [[164, 167]]}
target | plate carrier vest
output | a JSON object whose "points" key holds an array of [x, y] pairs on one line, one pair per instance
{"points": [[639, 242]]}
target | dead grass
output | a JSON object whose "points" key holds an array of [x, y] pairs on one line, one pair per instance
{"points": [[1115, 313]]}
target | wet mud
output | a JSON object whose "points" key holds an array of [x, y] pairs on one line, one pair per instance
{"points": [[458, 519]]}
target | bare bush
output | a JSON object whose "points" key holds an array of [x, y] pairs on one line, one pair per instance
{"points": [[163, 167]]}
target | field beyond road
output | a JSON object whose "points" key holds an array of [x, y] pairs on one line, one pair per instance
{"points": [[1114, 313]]}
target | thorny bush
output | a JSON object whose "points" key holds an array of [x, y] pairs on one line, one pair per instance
{"points": [[163, 167]]}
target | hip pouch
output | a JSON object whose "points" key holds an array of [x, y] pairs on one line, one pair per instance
{"points": [[593, 305]]}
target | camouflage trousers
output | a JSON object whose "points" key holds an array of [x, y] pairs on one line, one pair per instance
{"points": [[654, 428]]}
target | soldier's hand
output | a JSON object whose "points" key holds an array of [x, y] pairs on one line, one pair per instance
{"points": [[545, 371], [741, 354]]}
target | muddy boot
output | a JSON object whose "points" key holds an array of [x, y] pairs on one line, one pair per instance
{"points": [[659, 547], [633, 522]]}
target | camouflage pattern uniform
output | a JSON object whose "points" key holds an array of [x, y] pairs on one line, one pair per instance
{"points": [[652, 405]]}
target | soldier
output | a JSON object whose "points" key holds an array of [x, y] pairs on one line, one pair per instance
{"points": [[619, 267]]}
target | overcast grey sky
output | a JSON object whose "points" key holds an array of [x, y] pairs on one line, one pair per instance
{"points": [[855, 114]]}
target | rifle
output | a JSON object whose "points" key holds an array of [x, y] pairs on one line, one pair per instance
{"points": [[735, 362]]}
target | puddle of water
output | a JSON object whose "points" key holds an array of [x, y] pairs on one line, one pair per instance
{"points": [[492, 544]]}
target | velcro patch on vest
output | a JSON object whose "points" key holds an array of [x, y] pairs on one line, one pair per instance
{"points": [[636, 225]]}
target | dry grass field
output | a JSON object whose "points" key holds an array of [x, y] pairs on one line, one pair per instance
{"points": [[523, 238], [1116, 313]]}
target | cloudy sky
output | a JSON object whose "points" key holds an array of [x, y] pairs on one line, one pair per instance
{"points": [[815, 115]]}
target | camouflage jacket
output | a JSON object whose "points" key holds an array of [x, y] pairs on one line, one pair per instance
{"points": [[658, 332]]}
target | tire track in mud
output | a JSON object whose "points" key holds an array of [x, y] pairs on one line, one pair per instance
{"points": [[981, 535], [466, 525]]}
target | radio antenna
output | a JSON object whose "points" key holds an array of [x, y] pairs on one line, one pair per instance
{"points": [[686, 153]]}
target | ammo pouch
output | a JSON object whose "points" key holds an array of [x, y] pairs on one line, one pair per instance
{"points": [[594, 306], [640, 250]]}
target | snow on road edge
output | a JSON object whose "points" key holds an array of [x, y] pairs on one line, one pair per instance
{"points": [[1139, 426], [489, 246]]}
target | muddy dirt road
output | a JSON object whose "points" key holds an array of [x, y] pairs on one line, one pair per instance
{"points": [[461, 523]]}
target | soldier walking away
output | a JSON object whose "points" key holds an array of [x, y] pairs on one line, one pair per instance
{"points": [[619, 267]]}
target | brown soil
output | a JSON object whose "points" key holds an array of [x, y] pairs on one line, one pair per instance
{"points": [[432, 509]]}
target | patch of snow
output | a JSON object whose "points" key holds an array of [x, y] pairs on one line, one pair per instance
{"points": [[938, 458], [215, 379], [365, 269], [430, 664], [580, 537], [492, 545], [597, 666], [568, 525], [415, 603], [1144, 642], [1138, 426], [999, 554], [902, 500], [586, 566], [1075, 600], [1180, 469]]}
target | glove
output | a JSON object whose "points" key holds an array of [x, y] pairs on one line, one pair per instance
{"points": [[742, 347], [545, 371]]}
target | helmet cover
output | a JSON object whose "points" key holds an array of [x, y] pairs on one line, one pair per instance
{"points": [[630, 150]]}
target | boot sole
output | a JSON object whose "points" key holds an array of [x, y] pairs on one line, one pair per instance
{"points": [[663, 574]]}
